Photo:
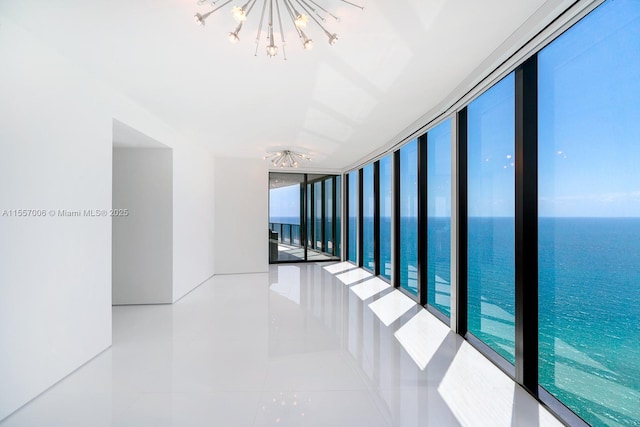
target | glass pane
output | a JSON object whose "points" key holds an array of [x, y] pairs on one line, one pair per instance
{"points": [[352, 243], [338, 238], [317, 241], [589, 208], [409, 217], [328, 215], [367, 220], [491, 227], [385, 217], [309, 208], [285, 217], [439, 212]]}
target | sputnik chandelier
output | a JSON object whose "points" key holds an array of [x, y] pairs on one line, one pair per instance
{"points": [[299, 12], [287, 158]]}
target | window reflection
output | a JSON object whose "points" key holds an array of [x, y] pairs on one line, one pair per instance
{"points": [[367, 220], [589, 225], [409, 217], [385, 217], [439, 217], [491, 226]]}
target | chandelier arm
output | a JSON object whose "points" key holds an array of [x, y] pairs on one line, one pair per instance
{"points": [[237, 30], [321, 8], [206, 15], [314, 18], [271, 22], [250, 7], [289, 8], [264, 6], [306, 7], [239, 27], [284, 53], [353, 4]]}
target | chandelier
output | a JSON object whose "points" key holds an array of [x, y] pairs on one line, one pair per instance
{"points": [[298, 11], [287, 158]]}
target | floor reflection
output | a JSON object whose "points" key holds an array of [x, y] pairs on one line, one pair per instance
{"points": [[311, 344]]}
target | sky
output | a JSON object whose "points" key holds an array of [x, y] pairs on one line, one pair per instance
{"points": [[588, 124], [588, 132], [285, 202], [589, 116]]}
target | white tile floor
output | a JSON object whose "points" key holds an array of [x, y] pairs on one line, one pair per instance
{"points": [[295, 347]]}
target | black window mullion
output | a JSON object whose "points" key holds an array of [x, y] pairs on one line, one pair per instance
{"points": [[526, 225], [395, 220], [303, 212], [360, 256], [345, 220], [462, 222], [323, 196], [422, 220], [376, 218], [334, 222], [312, 209]]}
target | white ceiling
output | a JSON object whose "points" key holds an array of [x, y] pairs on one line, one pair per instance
{"points": [[395, 61]]}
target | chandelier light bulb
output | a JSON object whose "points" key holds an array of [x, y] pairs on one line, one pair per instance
{"points": [[301, 21], [233, 38], [198, 19], [308, 44], [239, 14], [333, 38], [272, 50]]}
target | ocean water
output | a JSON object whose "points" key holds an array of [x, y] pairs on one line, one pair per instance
{"points": [[589, 303], [589, 316]]}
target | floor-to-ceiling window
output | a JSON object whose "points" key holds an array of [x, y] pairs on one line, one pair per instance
{"points": [[367, 220], [352, 212], [317, 218], [409, 217], [328, 216], [338, 211], [385, 209], [589, 216], [285, 217], [302, 205], [309, 215], [439, 214], [491, 209], [585, 226]]}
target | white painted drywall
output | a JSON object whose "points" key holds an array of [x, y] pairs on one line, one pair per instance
{"points": [[55, 271], [56, 150], [142, 251], [193, 219], [241, 215]]}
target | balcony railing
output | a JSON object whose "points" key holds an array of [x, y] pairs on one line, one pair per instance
{"points": [[287, 233]]}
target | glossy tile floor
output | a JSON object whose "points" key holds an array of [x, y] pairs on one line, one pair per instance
{"points": [[305, 345]]}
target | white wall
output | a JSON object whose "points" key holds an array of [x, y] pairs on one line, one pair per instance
{"points": [[55, 272], [142, 251], [56, 153], [241, 215], [193, 219]]}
